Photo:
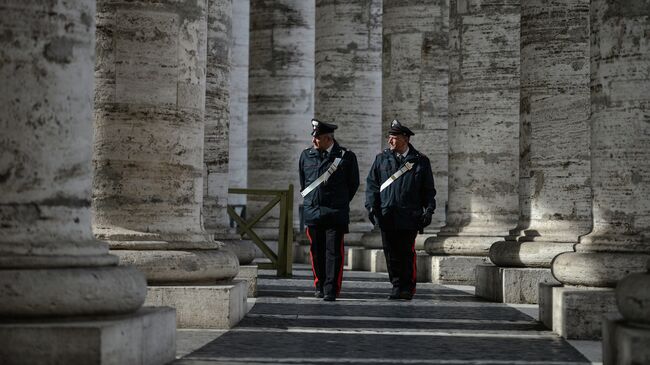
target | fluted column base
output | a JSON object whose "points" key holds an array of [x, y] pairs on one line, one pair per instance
{"points": [[538, 254], [146, 337], [597, 269], [576, 313], [243, 249], [512, 285], [77, 291], [169, 267], [449, 244]]}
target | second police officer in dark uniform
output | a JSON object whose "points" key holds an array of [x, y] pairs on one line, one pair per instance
{"points": [[329, 178], [400, 197]]}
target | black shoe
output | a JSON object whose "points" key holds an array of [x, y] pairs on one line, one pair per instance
{"points": [[393, 296], [405, 295], [329, 298], [318, 294]]}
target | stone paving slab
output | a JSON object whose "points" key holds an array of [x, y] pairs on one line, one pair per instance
{"points": [[442, 325]]}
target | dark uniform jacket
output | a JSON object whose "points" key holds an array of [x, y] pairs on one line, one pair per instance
{"points": [[329, 204], [401, 205]]}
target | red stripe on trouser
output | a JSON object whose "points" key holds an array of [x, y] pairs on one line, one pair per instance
{"points": [[339, 279], [311, 258], [415, 268]]}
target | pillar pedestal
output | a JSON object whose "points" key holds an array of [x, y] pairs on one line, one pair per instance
{"points": [[511, 284], [146, 337], [575, 313], [626, 337], [203, 306]]}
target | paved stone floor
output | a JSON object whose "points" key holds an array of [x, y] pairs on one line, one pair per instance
{"points": [[442, 325]]}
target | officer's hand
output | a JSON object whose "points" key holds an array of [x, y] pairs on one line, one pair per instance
{"points": [[426, 218], [371, 217]]}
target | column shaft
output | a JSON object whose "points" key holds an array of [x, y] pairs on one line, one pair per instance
{"points": [[483, 127], [555, 193], [50, 263], [620, 157], [415, 82], [281, 88], [348, 81], [217, 116], [149, 137]]}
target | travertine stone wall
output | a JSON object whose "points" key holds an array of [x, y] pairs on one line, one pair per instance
{"points": [[415, 81], [483, 126], [149, 134], [620, 157], [50, 263], [348, 80], [555, 173], [281, 88], [217, 116], [238, 155]]}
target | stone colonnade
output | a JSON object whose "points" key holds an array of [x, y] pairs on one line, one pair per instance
{"points": [[555, 189], [58, 285], [483, 131], [148, 158], [620, 176]]}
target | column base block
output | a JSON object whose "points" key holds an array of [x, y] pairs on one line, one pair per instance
{"points": [[576, 313], [301, 254], [203, 306], [625, 344], [456, 270], [355, 259], [423, 265], [511, 284], [376, 261], [146, 337], [248, 273]]}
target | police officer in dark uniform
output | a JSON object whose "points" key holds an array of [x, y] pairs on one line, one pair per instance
{"points": [[400, 197], [329, 178]]}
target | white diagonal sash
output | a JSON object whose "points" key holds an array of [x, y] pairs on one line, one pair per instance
{"points": [[407, 166], [324, 177]]}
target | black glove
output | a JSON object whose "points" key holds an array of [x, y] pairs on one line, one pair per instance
{"points": [[371, 217], [426, 218]]}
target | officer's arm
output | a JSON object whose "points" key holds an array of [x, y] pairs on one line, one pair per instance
{"points": [[301, 163], [428, 187], [372, 186], [353, 176]]}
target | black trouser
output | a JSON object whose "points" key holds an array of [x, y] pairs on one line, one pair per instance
{"points": [[399, 249], [326, 258]]}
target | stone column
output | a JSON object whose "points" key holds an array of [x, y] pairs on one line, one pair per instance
{"points": [[620, 173], [281, 89], [238, 137], [414, 90], [281, 102], [217, 131], [554, 181], [483, 136], [348, 82], [149, 132], [348, 93], [626, 340], [58, 285]]}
